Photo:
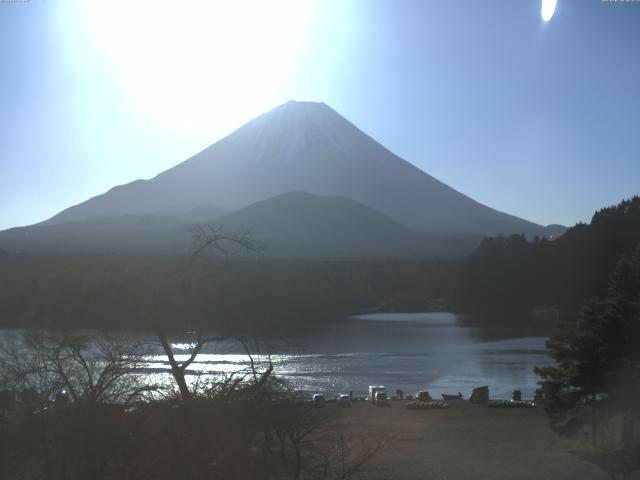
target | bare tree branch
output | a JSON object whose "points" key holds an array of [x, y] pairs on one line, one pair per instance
{"points": [[209, 238]]}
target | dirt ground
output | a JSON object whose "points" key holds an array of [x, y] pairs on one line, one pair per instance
{"points": [[466, 441]]}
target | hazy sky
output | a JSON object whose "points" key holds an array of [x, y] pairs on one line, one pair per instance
{"points": [[541, 120]]}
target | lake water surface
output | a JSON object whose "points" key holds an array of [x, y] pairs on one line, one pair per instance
{"points": [[439, 352]]}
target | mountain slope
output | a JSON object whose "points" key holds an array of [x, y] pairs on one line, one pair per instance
{"points": [[302, 224], [303, 146], [294, 224], [125, 233]]}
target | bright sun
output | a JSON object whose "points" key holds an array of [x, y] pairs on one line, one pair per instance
{"points": [[189, 63], [548, 9]]}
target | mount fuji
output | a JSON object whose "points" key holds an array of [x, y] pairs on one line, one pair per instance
{"points": [[302, 147]]}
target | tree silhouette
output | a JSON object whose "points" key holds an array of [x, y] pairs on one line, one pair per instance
{"points": [[516, 274], [598, 355]]}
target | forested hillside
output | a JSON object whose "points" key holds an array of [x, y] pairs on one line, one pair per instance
{"points": [[256, 295], [512, 273]]}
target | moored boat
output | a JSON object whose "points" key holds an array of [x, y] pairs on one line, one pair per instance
{"points": [[446, 396]]}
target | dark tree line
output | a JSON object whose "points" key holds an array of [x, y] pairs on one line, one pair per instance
{"points": [[254, 295], [513, 273], [596, 381]]}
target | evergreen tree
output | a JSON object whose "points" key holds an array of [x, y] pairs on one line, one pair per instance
{"points": [[513, 273], [598, 357]]}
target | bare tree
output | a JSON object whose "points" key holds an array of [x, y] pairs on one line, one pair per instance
{"points": [[76, 389], [179, 368], [87, 366], [310, 445], [209, 240]]}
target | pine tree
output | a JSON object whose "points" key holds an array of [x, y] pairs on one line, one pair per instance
{"points": [[598, 357]]}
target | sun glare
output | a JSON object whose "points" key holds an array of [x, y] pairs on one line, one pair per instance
{"points": [[548, 9], [190, 64]]}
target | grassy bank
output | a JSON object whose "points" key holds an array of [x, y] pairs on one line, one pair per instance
{"points": [[463, 442]]}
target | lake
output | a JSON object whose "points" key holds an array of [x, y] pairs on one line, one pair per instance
{"points": [[439, 352]]}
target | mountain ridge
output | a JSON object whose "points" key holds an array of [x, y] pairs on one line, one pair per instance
{"points": [[302, 224], [302, 146]]}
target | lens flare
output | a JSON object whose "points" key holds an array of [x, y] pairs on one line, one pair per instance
{"points": [[548, 9]]}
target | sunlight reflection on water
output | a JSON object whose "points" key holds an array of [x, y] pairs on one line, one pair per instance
{"points": [[434, 351]]}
